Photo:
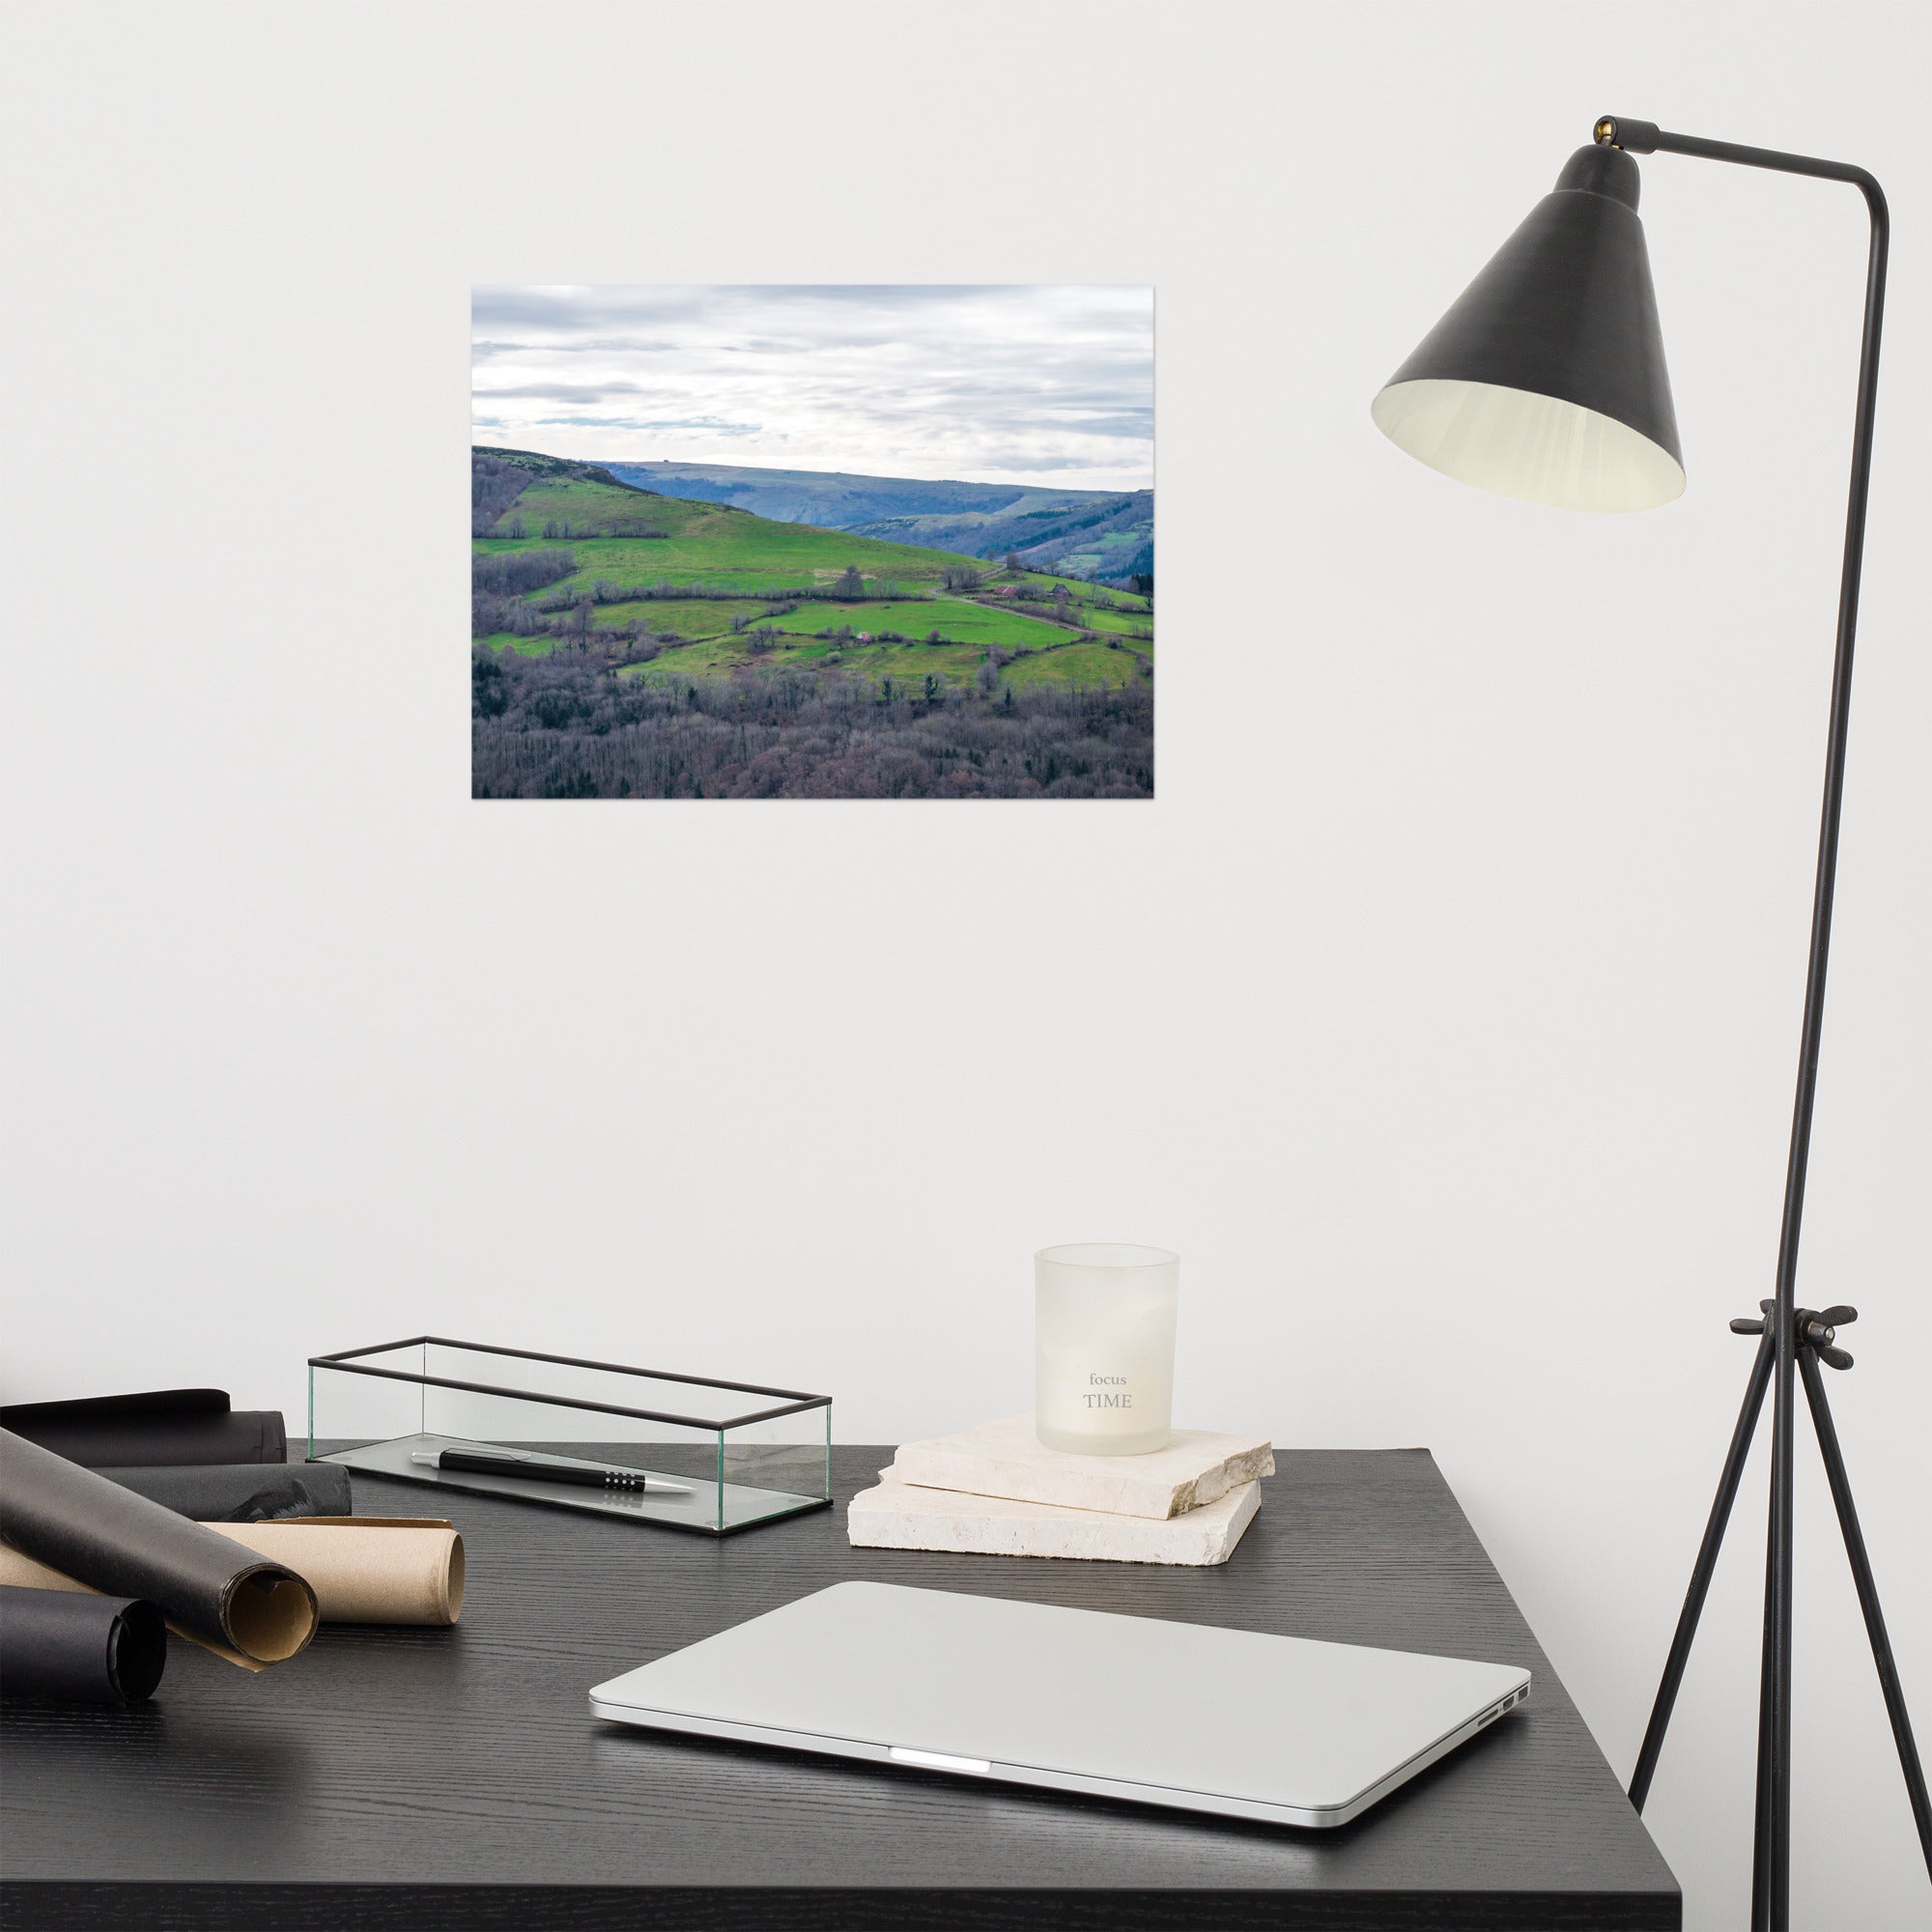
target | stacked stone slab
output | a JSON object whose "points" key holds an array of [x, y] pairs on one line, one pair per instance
{"points": [[997, 1490]]}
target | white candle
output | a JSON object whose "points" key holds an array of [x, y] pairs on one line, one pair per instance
{"points": [[1103, 1340]]}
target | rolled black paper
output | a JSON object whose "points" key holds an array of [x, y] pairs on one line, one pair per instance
{"points": [[113, 1541], [80, 1649], [242, 1491], [162, 1426]]}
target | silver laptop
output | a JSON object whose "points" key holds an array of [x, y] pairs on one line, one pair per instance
{"points": [[1279, 1728]]}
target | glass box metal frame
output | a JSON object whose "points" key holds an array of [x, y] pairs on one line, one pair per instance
{"points": [[583, 1435]]}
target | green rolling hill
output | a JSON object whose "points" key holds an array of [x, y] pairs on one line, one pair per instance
{"points": [[570, 556], [1099, 536]]}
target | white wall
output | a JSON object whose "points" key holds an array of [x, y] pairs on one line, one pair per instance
{"points": [[1442, 1008]]}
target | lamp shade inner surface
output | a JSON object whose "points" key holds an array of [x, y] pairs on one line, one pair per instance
{"points": [[1519, 443], [1546, 380]]}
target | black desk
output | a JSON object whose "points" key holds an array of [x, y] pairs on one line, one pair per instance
{"points": [[423, 1779]]}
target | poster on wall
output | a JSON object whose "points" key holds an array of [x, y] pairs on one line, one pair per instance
{"points": [[799, 541]]}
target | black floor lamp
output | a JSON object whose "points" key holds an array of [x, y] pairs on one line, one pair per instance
{"points": [[1546, 381]]}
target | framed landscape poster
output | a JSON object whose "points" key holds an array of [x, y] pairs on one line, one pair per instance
{"points": [[812, 542]]}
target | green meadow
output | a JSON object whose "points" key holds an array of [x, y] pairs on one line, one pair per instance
{"points": [[686, 618], [956, 619], [1079, 663], [1122, 621]]}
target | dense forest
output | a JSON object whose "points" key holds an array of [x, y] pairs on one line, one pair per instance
{"points": [[574, 726]]}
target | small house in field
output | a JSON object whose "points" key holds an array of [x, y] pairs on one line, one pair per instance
{"points": [[865, 637]]}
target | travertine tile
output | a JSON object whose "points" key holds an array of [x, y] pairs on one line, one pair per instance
{"points": [[902, 1516], [1005, 1458]]}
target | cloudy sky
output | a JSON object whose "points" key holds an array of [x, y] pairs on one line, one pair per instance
{"points": [[1050, 386]]}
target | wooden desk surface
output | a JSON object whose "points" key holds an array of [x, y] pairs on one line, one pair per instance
{"points": [[438, 1778]]}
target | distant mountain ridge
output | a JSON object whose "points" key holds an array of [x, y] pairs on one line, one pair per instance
{"points": [[835, 499], [1102, 536]]}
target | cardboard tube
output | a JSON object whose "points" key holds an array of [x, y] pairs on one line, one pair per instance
{"points": [[88, 1533], [363, 1568]]}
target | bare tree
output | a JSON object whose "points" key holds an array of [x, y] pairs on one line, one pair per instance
{"points": [[564, 726]]}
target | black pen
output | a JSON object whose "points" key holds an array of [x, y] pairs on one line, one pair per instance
{"points": [[532, 1468]]}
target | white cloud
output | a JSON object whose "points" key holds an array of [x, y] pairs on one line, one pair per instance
{"points": [[1038, 384]]}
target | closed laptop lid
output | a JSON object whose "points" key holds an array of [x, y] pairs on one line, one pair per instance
{"points": [[1279, 1722]]}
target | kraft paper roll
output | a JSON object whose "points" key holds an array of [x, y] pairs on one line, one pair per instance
{"points": [[364, 1570], [154, 1427], [242, 1491], [367, 1570], [88, 1533], [75, 1649]]}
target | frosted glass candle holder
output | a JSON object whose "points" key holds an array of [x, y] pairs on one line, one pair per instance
{"points": [[1103, 1346]]}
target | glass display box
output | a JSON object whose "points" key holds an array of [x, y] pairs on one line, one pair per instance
{"points": [[682, 1452]]}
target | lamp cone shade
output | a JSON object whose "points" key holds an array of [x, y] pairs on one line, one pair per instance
{"points": [[1547, 381]]}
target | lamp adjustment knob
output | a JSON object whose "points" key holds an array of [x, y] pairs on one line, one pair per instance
{"points": [[1619, 130]]}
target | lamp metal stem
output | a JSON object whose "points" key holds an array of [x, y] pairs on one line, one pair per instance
{"points": [[1771, 1900]]}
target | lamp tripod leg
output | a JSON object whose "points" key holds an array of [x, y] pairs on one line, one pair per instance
{"points": [[1780, 1569], [1867, 1588], [1702, 1572], [1762, 1826]]}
